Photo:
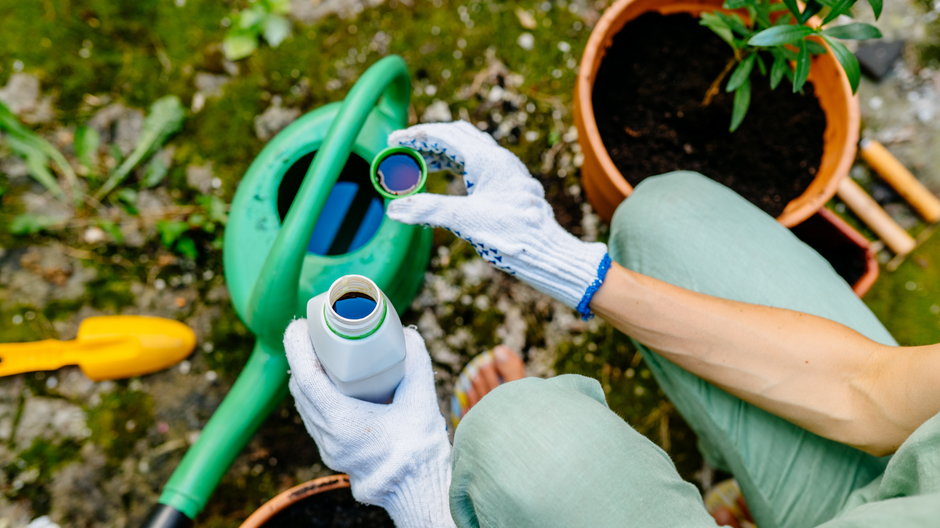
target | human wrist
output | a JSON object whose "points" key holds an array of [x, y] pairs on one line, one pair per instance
{"points": [[421, 499]]}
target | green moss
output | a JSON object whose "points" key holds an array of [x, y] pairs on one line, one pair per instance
{"points": [[28, 329], [37, 464], [141, 50], [109, 293], [232, 343], [907, 300], [118, 421]]}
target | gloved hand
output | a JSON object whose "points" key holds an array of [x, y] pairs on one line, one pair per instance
{"points": [[397, 455], [504, 216]]}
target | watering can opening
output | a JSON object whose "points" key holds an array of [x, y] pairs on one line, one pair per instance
{"points": [[353, 212]]}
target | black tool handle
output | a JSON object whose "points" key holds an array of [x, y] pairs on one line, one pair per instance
{"points": [[163, 516]]}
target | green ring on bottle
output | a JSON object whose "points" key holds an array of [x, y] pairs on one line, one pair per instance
{"points": [[380, 157]]}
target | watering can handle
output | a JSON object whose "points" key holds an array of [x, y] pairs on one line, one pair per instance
{"points": [[384, 87]]}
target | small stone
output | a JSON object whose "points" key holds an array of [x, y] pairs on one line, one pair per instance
{"points": [[877, 58], [436, 112], [526, 41], [200, 177], [274, 119], [526, 19], [94, 235]]}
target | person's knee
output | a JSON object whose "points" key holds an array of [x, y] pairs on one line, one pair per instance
{"points": [[659, 210], [658, 197]]}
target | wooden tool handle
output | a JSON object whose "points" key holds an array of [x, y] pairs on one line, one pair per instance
{"points": [[863, 205], [892, 171]]}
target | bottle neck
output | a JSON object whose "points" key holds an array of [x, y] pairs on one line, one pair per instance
{"points": [[360, 289]]}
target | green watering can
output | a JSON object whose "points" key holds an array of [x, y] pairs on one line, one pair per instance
{"points": [[304, 215]]}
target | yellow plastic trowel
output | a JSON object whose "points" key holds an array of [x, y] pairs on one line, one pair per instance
{"points": [[107, 347]]}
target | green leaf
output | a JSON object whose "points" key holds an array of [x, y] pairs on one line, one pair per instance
{"points": [[741, 73], [164, 119], [30, 224], [86, 144], [215, 208], [742, 99], [876, 6], [812, 7], [801, 72], [251, 18], [779, 35], [853, 31], [111, 229], [815, 48], [279, 6], [736, 4], [836, 8], [735, 22], [793, 7], [170, 231], [718, 25], [187, 247], [238, 45], [778, 70], [761, 67], [762, 14], [154, 172], [276, 29], [127, 197], [38, 153], [847, 60]]}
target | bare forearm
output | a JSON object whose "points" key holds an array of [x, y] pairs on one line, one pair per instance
{"points": [[811, 371]]}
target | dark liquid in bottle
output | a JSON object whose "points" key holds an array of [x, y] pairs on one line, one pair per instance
{"points": [[354, 305]]}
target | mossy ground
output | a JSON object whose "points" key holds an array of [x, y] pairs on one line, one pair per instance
{"points": [[91, 53]]}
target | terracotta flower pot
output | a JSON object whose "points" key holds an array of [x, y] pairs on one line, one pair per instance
{"points": [[321, 486], [605, 185], [846, 249]]}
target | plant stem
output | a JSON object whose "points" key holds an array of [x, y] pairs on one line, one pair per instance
{"points": [[715, 87]]}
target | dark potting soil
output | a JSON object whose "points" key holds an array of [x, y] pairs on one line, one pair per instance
{"points": [[331, 509], [648, 104]]}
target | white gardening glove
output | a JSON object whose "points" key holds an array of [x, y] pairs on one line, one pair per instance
{"points": [[504, 215], [397, 455]]}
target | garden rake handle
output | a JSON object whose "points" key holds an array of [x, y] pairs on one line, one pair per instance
{"points": [[892, 171], [863, 205]]}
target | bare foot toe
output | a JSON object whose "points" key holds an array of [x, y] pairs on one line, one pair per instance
{"points": [[483, 374]]}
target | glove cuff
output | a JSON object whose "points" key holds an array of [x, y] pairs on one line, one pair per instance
{"points": [[422, 499], [567, 269]]}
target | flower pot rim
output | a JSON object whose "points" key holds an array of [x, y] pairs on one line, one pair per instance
{"points": [[612, 21], [282, 500], [865, 282]]}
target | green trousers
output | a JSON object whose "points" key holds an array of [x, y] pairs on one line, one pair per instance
{"points": [[547, 453]]}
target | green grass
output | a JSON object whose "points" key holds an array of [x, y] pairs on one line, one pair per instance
{"points": [[907, 300]]}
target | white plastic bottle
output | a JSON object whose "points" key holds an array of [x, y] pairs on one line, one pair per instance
{"points": [[358, 338]]}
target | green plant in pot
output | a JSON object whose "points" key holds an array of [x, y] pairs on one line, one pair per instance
{"points": [[661, 80], [774, 35]]}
